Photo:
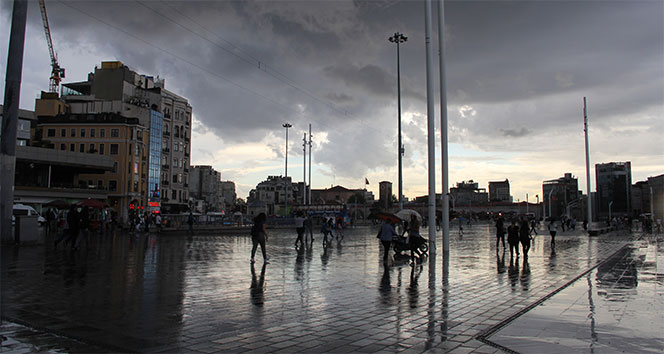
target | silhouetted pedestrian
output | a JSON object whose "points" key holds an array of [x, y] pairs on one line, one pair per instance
{"points": [[190, 221], [299, 228], [513, 238], [326, 229], [259, 236], [385, 235], [552, 231], [309, 228], [500, 232], [415, 240]]}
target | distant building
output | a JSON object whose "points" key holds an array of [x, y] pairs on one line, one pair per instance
{"points": [[468, 193], [647, 194], [614, 187], [500, 191], [26, 119], [226, 194], [561, 197], [275, 192], [385, 194], [339, 195], [203, 185]]}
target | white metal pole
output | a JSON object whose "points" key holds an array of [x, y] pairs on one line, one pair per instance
{"points": [[527, 209], [430, 131], [310, 163], [443, 128], [551, 191], [304, 172], [585, 129], [652, 208]]}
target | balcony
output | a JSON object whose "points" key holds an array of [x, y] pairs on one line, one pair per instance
{"points": [[167, 134], [166, 150], [186, 139], [165, 166], [186, 154], [165, 182]]}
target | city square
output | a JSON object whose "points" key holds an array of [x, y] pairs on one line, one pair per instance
{"points": [[128, 292]]}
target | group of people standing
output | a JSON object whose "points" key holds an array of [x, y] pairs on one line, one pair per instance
{"points": [[388, 234], [520, 233]]}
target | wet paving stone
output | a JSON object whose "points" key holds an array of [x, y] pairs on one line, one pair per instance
{"points": [[170, 293]]}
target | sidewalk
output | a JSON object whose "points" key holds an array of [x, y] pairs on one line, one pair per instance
{"points": [[170, 293]]}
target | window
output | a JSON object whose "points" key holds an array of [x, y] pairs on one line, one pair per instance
{"points": [[112, 185], [176, 147], [115, 133], [63, 147], [102, 132], [92, 132], [92, 148], [175, 163], [101, 149], [82, 132], [72, 147], [129, 149], [115, 167], [173, 194], [175, 179], [50, 132], [114, 149], [81, 147], [100, 184], [63, 132], [72, 132]]}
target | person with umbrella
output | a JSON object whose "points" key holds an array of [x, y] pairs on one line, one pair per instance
{"points": [[385, 235], [414, 238]]}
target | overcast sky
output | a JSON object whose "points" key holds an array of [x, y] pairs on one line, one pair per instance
{"points": [[517, 74]]}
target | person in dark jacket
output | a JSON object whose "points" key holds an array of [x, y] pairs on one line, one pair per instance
{"points": [[500, 232], [259, 237], [513, 238]]}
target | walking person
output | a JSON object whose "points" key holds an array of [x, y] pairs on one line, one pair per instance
{"points": [[326, 229], [340, 228], [190, 221], [500, 232], [513, 238], [533, 226], [157, 222], [259, 237], [552, 231], [309, 228], [524, 236], [299, 228], [415, 240], [385, 235]]}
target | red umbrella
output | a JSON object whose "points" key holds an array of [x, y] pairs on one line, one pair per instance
{"points": [[388, 217], [92, 203]]}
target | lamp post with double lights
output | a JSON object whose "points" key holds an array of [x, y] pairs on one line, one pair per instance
{"points": [[399, 38]]}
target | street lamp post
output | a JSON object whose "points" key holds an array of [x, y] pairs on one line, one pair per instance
{"points": [[399, 38], [610, 204], [286, 125], [551, 191]]}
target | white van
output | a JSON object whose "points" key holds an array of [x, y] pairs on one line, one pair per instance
{"points": [[22, 208]]}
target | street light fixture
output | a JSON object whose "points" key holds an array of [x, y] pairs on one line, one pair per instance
{"points": [[399, 38]]}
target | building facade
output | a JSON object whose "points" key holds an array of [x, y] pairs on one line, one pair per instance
{"points": [[162, 123], [204, 185], [614, 189], [561, 197], [276, 192], [468, 193], [500, 191]]}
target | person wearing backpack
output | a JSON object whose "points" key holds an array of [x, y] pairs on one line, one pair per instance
{"points": [[259, 237]]}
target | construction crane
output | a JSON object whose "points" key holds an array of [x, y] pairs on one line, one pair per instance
{"points": [[57, 73]]}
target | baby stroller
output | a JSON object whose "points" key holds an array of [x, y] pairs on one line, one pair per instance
{"points": [[401, 245]]}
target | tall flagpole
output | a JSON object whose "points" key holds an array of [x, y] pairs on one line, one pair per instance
{"points": [[585, 129], [309, 163], [430, 132], [443, 128], [304, 173]]}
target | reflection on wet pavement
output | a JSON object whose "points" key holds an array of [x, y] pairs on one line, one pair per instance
{"points": [[615, 308], [124, 292]]}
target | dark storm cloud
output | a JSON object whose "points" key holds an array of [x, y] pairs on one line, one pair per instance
{"points": [[248, 66]]}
